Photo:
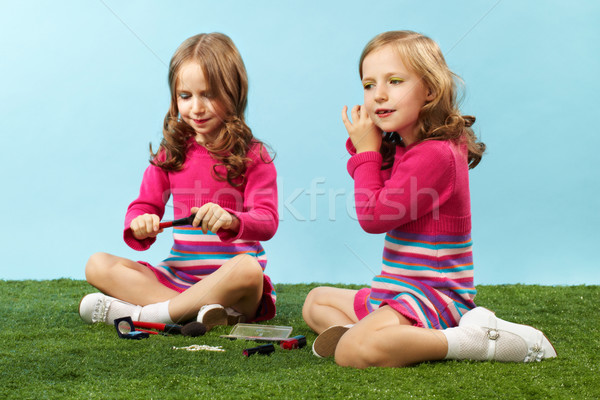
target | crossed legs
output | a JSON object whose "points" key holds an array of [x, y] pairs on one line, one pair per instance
{"points": [[384, 338], [238, 283]]}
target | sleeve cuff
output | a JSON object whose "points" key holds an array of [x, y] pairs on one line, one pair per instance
{"points": [[350, 147], [227, 235], [362, 158], [139, 245]]}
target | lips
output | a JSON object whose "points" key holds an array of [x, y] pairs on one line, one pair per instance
{"points": [[200, 121], [383, 113]]}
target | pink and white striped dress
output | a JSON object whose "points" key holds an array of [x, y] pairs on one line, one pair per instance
{"points": [[195, 255], [428, 279], [423, 205]]}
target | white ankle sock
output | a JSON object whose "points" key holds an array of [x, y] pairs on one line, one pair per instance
{"points": [[465, 343], [157, 312], [453, 343]]}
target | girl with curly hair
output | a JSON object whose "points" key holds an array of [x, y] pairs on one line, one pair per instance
{"points": [[213, 167]]}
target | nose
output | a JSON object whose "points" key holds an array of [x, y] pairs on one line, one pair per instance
{"points": [[198, 106], [380, 93]]}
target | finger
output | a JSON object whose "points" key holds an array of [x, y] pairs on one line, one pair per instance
{"points": [[200, 213], [355, 113], [138, 228], [134, 225], [155, 223], [345, 119], [221, 221], [345, 114], [140, 223], [205, 221], [218, 219], [206, 216], [194, 212], [216, 226], [225, 221], [148, 225], [213, 224]]}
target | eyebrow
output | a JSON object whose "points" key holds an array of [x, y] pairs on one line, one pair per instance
{"points": [[183, 88], [401, 75]]}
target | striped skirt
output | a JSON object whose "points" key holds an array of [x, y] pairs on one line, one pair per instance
{"points": [[426, 278], [195, 255]]}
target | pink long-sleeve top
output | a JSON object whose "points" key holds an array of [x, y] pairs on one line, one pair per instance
{"points": [[426, 191], [254, 203]]}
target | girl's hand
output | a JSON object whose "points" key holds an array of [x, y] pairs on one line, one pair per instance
{"points": [[212, 217], [145, 226], [365, 135]]}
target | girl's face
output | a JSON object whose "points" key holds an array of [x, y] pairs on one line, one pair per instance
{"points": [[196, 105], [394, 94]]}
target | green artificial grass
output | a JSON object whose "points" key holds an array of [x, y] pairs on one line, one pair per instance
{"points": [[47, 352]]}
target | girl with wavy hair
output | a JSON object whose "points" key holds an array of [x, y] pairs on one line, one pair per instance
{"points": [[411, 150], [220, 174]]}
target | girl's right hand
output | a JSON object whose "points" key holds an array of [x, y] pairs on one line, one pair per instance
{"points": [[145, 226], [363, 132]]}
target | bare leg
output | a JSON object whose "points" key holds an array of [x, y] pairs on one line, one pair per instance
{"points": [[238, 283], [125, 280], [385, 338], [328, 306]]}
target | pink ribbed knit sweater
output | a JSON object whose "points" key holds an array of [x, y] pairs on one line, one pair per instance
{"points": [[254, 203], [426, 191]]}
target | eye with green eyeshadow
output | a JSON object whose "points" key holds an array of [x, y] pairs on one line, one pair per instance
{"points": [[396, 81]]}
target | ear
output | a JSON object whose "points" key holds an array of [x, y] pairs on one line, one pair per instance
{"points": [[430, 95]]}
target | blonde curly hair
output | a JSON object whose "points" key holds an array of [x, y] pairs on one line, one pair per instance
{"points": [[439, 119]]}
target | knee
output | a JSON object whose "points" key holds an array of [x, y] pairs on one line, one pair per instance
{"points": [[96, 267], [312, 299], [248, 272]]}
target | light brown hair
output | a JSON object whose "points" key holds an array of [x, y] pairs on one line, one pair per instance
{"points": [[227, 82]]}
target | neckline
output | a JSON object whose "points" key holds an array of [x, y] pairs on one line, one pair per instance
{"points": [[195, 145]]}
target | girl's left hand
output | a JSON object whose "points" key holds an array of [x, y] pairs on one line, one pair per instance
{"points": [[212, 217], [363, 132]]}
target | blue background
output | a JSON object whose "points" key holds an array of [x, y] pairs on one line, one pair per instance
{"points": [[83, 90]]}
